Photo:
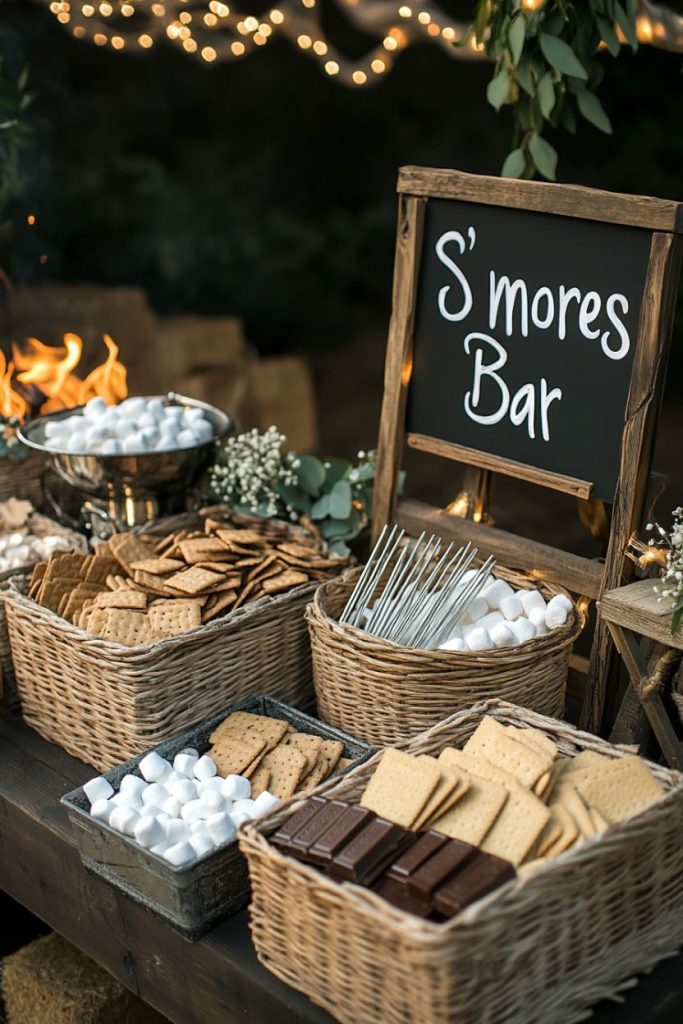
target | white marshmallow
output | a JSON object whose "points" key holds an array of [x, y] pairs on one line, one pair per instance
{"points": [[494, 593], [155, 408], [556, 612], [133, 782], [94, 408], [523, 629], [133, 444], [479, 640], [153, 767], [146, 420], [149, 831], [468, 628], [202, 843], [175, 831], [160, 848], [198, 825], [537, 616], [181, 853], [124, 819], [165, 444], [55, 429], [511, 607], [236, 787], [243, 807], [184, 763], [155, 794], [122, 428], [193, 810], [192, 751], [456, 643], [131, 408], [205, 768], [203, 430], [95, 435], [264, 803], [150, 436], [214, 783], [239, 818], [102, 809], [475, 610], [194, 415], [98, 789], [221, 828], [490, 620], [162, 815], [503, 636], [77, 442], [183, 791], [212, 802], [531, 599], [128, 798], [174, 413], [187, 438], [173, 776], [173, 807], [111, 447]]}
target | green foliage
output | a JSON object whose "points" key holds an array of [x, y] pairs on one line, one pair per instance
{"points": [[15, 134], [10, 445], [546, 69]]}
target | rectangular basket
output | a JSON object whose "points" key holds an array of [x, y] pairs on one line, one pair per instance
{"points": [[541, 950], [106, 703], [189, 899]]}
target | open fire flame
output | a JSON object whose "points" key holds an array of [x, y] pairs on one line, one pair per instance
{"points": [[41, 378]]}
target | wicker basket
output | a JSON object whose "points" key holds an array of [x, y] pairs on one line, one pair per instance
{"points": [[106, 703], [542, 950], [24, 478], [385, 693], [41, 526]]}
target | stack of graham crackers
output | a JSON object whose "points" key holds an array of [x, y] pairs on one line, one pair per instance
{"points": [[273, 755], [137, 590], [509, 792]]}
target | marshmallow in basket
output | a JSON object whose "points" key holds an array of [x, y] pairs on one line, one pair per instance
{"points": [[503, 617], [181, 811], [136, 426]]}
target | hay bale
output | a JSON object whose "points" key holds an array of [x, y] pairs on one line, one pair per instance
{"points": [[51, 982]]}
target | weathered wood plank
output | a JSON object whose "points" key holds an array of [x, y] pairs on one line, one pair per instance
{"points": [[398, 365], [499, 464], [580, 575], [636, 607], [543, 197]]}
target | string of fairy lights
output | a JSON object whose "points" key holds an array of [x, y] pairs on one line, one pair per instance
{"points": [[213, 31]]}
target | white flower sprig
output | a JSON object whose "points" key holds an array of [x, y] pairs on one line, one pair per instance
{"points": [[251, 467], [672, 577]]}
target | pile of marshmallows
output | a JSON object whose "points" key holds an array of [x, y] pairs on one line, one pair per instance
{"points": [[18, 549], [179, 812], [135, 426], [503, 617]]}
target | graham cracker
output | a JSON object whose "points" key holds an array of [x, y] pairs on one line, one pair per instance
{"points": [[127, 548], [286, 766], [285, 581], [192, 581], [101, 566], [121, 599], [157, 566], [535, 739], [306, 743], [259, 781], [244, 723], [492, 741], [401, 786], [220, 603], [233, 754], [461, 760], [474, 815], [621, 789], [329, 756], [170, 618], [570, 833], [127, 627], [203, 549], [37, 576], [451, 788], [568, 797], [517, 827]]}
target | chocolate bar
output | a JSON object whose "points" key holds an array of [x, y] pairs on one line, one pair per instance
{"points": [[284, 835], [480, 876], [439, 867], [370, 852], [427, 844], [396, 893], [339, 834]]}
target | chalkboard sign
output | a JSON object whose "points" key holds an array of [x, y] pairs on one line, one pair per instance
{"points": [[525, 333], [529, 334]]}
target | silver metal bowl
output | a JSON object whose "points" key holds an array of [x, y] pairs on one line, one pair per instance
{"points": [[132, 487]]}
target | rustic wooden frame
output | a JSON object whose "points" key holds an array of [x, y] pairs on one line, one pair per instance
{"points": [[416, 185]]}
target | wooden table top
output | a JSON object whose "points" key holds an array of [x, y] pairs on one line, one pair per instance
{"points": [[218, 979], [636, 607]]}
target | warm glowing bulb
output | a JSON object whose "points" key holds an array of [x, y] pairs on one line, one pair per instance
{"points": [[237, 48], [118, 42], [145, 41], [390, 43], [31, 219], [449, 34], [424, 17], [405, 12], [173, 30], [308, 3], [127, 10], [63, 18], [189, 45], [434, 29], [304, 42], [209, 54], [79, 31], [87, 10], [251, 23], [277, 17], [378, 66], [644, 30], [332, 67], [99, 39], [106, 10], [265, 30], [185, 17], [359, 77], [259, 39], [159, 10], [210, 20]]}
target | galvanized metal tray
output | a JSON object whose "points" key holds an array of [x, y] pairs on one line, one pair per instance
{"points": [[191, 898]]}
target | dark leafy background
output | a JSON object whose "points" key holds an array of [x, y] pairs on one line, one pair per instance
{"points": [[263, 188]]}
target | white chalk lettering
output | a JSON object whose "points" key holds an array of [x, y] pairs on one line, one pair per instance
{"points": [[453, 236], [472, 398], [512, 289], [588, 313], [566, 296], [621, 330]]}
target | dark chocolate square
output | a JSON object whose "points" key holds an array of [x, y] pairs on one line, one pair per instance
{"points": [[478, 878], [439, 867]]}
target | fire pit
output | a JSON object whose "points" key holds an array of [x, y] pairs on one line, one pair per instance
{"points": [[122, 491]]}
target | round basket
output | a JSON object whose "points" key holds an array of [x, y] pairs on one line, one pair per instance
{"points": [[384, 693]]}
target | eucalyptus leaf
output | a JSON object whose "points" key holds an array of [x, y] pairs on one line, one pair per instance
{"points": [[335, 469], [543, 155], [568, 119], [311, 474], [339, 548], [341, 500], [295, 497], [546, 94], [611, 39], [678, 613], [498, 89], [627, 25], [561, 56], [516, 37], [554, 23], [321, 508], [525, 78], [514, 164], [592, 109], [481, 19]]}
